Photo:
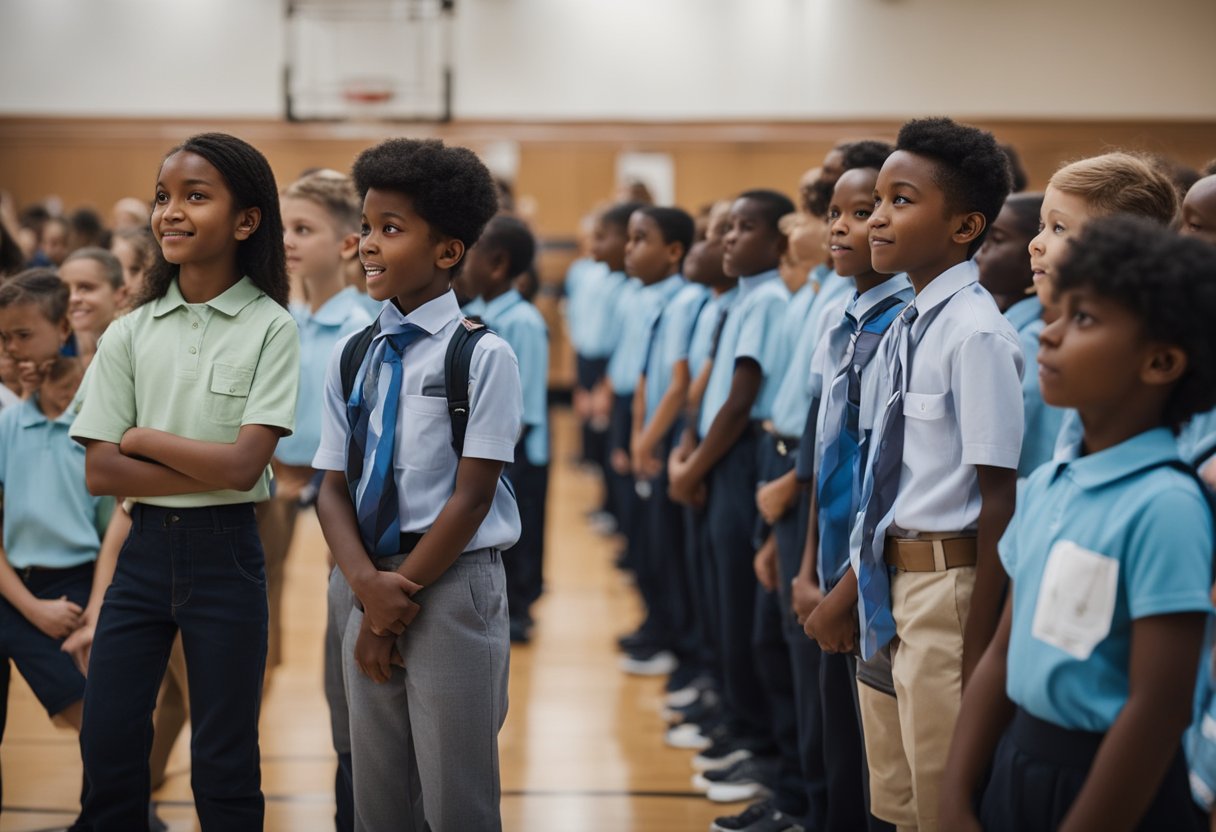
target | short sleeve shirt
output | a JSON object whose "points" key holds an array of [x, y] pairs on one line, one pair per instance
{"points": [[1042, 421], [424, 460], [963, 405], [197, 370], [639, 313], [670, 340], [339, 316], [752, 331], [522, 327], [50, 518], [1096, 543]]}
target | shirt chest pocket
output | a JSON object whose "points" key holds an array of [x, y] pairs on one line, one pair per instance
{"points": [[228, 393], [425, 433], [925, 406], [1076, 602]]}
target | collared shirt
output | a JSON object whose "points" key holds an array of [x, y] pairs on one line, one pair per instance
{"points": [[833, 426], [369, 304], [700, 346], [50, 518], [197, 370], [8, 398], [1197, 439], [1042, 421], [670, 340], [963, 405], [752, 331], [339, 316], [424, 460], [640, 310], [1096, 543], [792, 401], [522, 327], [592, 314]]}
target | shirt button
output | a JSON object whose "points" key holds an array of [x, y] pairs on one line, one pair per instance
{"points": [[922, 406], [194, 325], [193, 350], [231, 389]]}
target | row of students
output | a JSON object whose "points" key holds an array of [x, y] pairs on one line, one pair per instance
{"points": [[911, 466]]}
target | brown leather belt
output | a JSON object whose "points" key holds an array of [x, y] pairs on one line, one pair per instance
{"points": [[930, 553]]}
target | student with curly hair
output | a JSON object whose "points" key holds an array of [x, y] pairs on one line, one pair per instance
{"points": [[417, 528]]}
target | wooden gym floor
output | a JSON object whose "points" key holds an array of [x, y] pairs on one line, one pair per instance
{"points": [[582, 749]]}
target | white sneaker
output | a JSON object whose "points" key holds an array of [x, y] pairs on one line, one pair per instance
{"points": [[737, 792], [682, 698], [703, 763], [688, 737], [660, 663]]}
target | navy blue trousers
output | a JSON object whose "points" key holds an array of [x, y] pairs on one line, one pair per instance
{"points": [[200, 571], [524, 562]]}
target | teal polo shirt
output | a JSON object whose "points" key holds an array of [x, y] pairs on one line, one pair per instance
{"points": [[1096, 543], [50, 518]]}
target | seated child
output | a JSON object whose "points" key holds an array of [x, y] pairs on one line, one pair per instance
{"points": [[1004, 262], [430, 525], [504, 252], [1079, 704]]}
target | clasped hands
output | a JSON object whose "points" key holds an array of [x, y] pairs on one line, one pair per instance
{"points": [[388, 608]]}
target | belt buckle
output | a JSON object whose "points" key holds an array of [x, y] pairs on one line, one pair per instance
{"points": [[24, 573], [170, 519], [782, 448]]}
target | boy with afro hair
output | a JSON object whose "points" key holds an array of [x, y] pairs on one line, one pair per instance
{"points": [[417, 529]]}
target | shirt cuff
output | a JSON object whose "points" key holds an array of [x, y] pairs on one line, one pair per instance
{"points": [[487, 447], [98, 433], [996, 456], [329, 461], [1174, 602], [271, 420]]}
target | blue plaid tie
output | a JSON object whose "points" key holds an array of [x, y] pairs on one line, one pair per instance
{"points": [[878, 501], [374, 440]]}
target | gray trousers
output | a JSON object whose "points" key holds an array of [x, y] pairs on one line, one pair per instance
{"points": [[425, 743]]}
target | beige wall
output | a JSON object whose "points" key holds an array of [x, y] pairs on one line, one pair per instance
{"points": [[662, 60]]}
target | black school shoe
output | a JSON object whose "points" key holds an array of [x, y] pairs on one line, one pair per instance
{"points": [[759, 817], [521, 630]]}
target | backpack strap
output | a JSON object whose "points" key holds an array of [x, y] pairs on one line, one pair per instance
{"points": [[353, 354], [456, 367]]}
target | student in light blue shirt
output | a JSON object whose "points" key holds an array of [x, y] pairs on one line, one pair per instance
{"points": [[46, 572], [659, 238], [1004, 263], [1087, 683], [505, 251], [416, 528], [737, 398]]}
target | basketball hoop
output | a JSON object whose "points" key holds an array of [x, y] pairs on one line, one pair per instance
{"points": [[368, 92]]}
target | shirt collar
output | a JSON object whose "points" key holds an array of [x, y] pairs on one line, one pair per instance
{"points": [[1024, 312], [336, 310], [1145, 450], [431, 317], [755, 281], [32, 415], [943, 287], [667, 287], [500, 304], [230, 302], [861, 305]]}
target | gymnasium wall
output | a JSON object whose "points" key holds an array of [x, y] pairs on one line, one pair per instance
{"points": [[660, 60]]}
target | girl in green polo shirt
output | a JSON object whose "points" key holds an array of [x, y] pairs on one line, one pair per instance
{"points": [[187, 397]]}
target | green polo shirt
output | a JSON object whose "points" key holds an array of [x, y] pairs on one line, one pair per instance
{"points": [[198, 370]]}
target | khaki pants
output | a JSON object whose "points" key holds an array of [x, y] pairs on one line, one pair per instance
{"points": [[908, 737]]}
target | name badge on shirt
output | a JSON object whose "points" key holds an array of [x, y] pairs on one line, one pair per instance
{"points": [[1076, 599]]}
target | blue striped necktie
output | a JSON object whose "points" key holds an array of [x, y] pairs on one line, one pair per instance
{"points": [[878, 501], [374, 493]]}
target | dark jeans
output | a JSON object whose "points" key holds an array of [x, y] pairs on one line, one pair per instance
{"points": [[200, 571]]}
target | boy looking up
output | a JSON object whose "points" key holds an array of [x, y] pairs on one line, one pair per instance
{"points": [[421, 552], [946, 434]]}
